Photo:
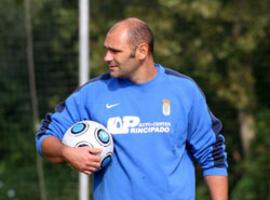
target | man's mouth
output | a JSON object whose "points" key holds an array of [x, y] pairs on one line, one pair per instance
{"points": [[112, 67]]}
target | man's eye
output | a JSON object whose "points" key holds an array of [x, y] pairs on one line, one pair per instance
{"points": [[114, 50]]}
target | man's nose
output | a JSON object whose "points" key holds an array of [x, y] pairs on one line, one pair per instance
{"points": [[108, 56]]}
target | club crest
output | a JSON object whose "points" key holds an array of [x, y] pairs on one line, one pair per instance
{"points": [[166, 107]]}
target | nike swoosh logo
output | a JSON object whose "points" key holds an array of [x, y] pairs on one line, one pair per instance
{"points": [[111, 105]]}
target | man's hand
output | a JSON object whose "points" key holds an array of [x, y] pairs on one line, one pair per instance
{"points": [[84, 159]]}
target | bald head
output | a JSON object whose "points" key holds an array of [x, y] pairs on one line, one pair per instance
{"points": [[137, 32]]}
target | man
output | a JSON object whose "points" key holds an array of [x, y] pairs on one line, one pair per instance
{"points": [[159, 120]]}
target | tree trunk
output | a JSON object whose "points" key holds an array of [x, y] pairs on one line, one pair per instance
{"points": [[247, 132], [33, 92]]}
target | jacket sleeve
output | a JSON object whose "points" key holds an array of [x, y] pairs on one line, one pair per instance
{"points": [[205, 141], [57, 123]]}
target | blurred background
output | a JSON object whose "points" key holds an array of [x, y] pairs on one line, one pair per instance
{"points": [[223, 44]]}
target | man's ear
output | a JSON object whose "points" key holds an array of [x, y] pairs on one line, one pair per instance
{"points": [[142, 50]]}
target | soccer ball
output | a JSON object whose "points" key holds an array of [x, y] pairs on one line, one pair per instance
{"points": [[93, 134]]}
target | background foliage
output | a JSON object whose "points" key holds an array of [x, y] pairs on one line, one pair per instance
{"points": [[223, 45]]}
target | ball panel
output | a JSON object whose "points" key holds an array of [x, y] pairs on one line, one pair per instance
{"points": [[78, 128], [83, 144], [105, 162], [103, 136]]}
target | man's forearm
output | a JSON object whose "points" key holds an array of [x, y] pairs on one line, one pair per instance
{"points": [[218, 187], [52, 149]]}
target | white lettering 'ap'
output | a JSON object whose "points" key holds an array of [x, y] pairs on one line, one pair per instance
{"points": [[118, 125]]}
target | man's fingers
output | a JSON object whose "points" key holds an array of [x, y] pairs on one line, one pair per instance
{"points": [[93, 164], [86, 159], [91, 149], [87, 172], [90, 170], [95, 151]]}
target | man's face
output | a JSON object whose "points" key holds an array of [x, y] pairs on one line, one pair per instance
{"points": [[120, 56]]}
